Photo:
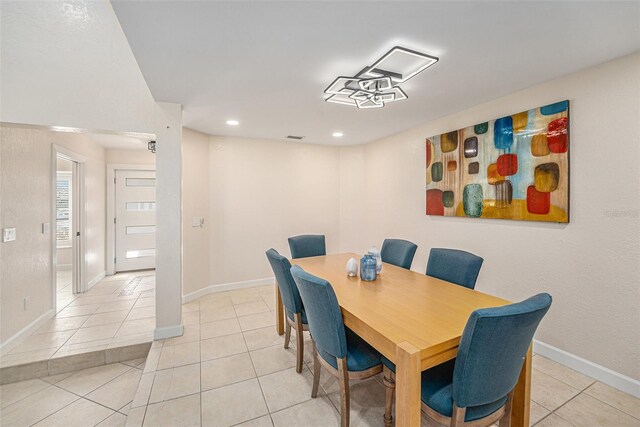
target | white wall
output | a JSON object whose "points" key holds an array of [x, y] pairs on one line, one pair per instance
{"points": [[168, 221], [27, 197], [129, 157], [260, 193], [591, 266], [195, 203], [69, 64]]}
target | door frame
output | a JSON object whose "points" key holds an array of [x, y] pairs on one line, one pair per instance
{"points": [[79, 224], [111, 208]]}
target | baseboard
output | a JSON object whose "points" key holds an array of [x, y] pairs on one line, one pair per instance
{"points": [[168, 332], [221, 287], [595, 371], [16, 339], [96, 279]]}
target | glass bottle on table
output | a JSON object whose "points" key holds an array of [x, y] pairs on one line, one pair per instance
{"points": [[376, 254], [368, 268]]}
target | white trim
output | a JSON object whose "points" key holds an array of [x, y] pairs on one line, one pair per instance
{"points": [[584, 366], [168, 332], [65, 152], [20, 336], [111, 208], [221, 287], [61, 267], [79, 268], [52, 230], [96, 279]]}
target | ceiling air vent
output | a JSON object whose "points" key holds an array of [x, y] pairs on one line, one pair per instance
{"points": [[295, 137]]}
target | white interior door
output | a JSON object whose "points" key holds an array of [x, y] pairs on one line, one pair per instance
{"points": [[135, 220]]}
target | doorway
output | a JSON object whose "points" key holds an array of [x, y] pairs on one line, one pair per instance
{"points": [[134, 219], [68, 223]]}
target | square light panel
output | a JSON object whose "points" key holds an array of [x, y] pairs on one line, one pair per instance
{"points": [[378, 84], [341, 83], [400, 64]]}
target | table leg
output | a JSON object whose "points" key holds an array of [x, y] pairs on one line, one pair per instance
{"points": [[522, 395], [279, 311], [407, 385]]}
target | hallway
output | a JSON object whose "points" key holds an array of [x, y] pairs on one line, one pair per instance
{"points": [[117, 311]]}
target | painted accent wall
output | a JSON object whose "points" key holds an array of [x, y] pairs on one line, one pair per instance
{"points": [[26, 202], [591, 266]]}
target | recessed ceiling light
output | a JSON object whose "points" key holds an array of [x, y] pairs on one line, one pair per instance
{"points": [[233, 122], [337, 134]]}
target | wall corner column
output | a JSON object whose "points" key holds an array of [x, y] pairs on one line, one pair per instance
{"points": [[168, 130]]}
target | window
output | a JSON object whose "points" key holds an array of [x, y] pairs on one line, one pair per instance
{"points": [[140, 206], [140, 182], [63, 209]]}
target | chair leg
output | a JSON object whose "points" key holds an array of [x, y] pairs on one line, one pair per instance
{"points": [[457, 415], [390, 387], [343, 379], [505, 421], [299, 342], [287, 333], [316, 370]]}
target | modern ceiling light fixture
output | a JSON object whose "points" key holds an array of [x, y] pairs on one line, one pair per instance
{"points": [[233, 122], [337, 134], [377, 84]]}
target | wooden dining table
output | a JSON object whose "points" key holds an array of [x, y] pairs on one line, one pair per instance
{"points": [[414, 320]]}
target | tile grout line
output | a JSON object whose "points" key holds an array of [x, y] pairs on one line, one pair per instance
{"points": [[71, 403], [72, 335], [264, 398], [114, 378], [558, 415], [55, 412], [606, 403]]}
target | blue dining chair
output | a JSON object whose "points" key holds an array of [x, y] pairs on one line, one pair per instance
{"points": [[295, 313], [476, 388], [307, 245], [343, 353], [455, 266], [398, 252]]}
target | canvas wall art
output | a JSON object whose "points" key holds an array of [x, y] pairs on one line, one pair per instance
{"points": [[514, 167]]}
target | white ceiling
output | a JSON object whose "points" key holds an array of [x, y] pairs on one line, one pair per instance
{"points": [[267, 63]]}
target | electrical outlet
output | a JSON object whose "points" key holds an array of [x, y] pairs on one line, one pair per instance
{"points": [[197, 221], [8, 234], [27, 303], [45, 228]]}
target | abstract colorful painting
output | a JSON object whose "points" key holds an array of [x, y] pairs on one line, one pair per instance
{"points": [[514, 167]]}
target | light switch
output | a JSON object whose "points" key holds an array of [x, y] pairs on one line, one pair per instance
{"points": [[197, 221], [8, 234], [45, 228]]}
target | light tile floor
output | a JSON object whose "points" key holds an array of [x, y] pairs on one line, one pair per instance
{"points": [[95, 396], [230, 369], [117, 311], [240, 374]]}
